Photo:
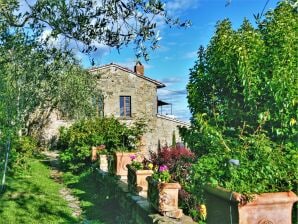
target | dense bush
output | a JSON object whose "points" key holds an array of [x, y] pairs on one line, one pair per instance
{"points": [[75, 142], [243, 100], [21, 150], [177, 159]]}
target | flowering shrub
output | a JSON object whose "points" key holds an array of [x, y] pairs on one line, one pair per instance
{"points": [[136, 164], [162, 174], [140, 165], [179, 162], [177, 159]]}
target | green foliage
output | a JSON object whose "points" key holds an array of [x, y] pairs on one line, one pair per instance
{"points": [[23, 148], [35, 81], [92, 23], [243, 98], [162, 176], [76, 142], [137, 165], [264, 167]]}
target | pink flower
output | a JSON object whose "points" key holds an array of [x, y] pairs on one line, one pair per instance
{"points": [[132, 157], [163, 168]]}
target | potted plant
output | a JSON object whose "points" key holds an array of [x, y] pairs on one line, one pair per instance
{"points": [[127, 147], [121, 160], [138, 171], [100, 153], [162, 194], [250, 183]]}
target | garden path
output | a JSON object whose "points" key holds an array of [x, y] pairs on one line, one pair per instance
{"points": [[56, 174]]}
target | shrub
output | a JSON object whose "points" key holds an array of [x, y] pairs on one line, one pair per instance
{"points": [[175, 158], [22, 148], [162, 174], [254, 165], [76, 141]]}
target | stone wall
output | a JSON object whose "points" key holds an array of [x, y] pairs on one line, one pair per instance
{"points": [[133, 209], [161, 132], [115, 82], [50, 133]]}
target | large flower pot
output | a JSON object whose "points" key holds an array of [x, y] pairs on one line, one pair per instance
{"points": [[230, 207], [136, 179], [121, 159], [164, 197], [103, 163]]}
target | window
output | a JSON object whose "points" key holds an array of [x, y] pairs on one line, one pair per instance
{"points": [[125, 106]]}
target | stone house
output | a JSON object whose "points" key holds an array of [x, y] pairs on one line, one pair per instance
{"points": [[129, 95]]}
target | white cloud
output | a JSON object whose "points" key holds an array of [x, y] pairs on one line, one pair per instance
{"points": [[172, 80], [175, 7], [191, 55], [171, 94]]}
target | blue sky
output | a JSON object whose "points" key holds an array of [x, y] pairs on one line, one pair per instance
{"points": [[170, 63]]}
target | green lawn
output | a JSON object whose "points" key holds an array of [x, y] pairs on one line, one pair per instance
{"points": [[33, 197], [98, 201]]}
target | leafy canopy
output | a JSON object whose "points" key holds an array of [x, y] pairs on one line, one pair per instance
{"points": [[109, 22], [242, 95]]}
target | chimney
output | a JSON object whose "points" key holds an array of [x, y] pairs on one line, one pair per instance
{"points": [[139, 68]]}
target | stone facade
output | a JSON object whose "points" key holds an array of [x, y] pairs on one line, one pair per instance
{"points": [[116, 81]]}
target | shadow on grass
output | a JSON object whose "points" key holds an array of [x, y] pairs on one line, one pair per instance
{"points": [[31, 197], [98, 200]]}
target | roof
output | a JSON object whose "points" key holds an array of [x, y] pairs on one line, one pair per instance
{"points": [[165, 117], [157, 83], [162, 103]]}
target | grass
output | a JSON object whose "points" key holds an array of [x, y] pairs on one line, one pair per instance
{"points": [[98, 201], [31, 196]]}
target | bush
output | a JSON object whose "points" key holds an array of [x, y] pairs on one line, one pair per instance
{"points": [[255, 165], [179, 162], [76, 141], [177, 159], [22, 148]]}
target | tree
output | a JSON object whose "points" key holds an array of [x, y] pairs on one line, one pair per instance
{"points": [[38, 77], [245, 80], [242, 94], [114, 23], [35, 81]]}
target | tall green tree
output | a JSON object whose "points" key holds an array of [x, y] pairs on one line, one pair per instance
{"points": [[246, 80], [242, 94]]}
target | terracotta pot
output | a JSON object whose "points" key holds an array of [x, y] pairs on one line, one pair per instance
{"points": [[267, 208], [164, 197], [95, 150], [136, 179], [103, 163], [121, 159]]}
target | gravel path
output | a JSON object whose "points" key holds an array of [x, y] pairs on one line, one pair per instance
{"points": [[56, 174]]}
